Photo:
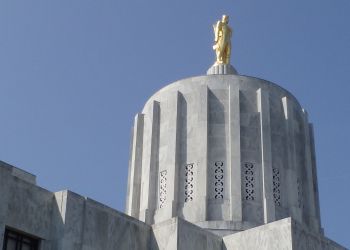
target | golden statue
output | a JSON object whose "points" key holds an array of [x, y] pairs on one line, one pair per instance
{"points": [[222, 45]]}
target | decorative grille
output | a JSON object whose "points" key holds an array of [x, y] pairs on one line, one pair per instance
{"points": [[189, 187], [276, 186], [219, 180], [162, 188], [249, 181], [300, 193]]}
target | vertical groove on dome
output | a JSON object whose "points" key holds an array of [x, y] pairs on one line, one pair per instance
{"points": [[201, 154], [314, 175], [234, 158], [218, 202]]}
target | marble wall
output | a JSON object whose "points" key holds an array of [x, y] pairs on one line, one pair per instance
{"points": [[65, 220], [223, 148]]}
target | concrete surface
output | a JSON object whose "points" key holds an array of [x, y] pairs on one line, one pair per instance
{"points": [[217, 162], [249, 145]]}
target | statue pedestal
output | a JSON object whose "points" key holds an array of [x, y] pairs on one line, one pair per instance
{"points": [[222, 69]]}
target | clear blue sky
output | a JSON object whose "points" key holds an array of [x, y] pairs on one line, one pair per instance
{"points": [[73, 73]]}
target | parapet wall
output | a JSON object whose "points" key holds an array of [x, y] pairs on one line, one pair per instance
{"points": [[64, 220], [67, 221]]}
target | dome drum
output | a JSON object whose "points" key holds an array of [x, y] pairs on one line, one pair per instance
{"points": [[225, 152]]}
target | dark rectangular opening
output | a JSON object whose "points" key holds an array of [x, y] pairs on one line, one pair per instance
{"points": [[16, 240]]}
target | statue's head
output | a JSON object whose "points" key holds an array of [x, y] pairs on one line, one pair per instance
{"points": [[224, 18]]}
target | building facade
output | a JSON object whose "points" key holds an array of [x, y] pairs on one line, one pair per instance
{"points": [[220, 161]]}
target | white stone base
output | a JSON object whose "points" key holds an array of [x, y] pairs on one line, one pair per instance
{"points": [[282, 234], [178, 234], [222, 69]]}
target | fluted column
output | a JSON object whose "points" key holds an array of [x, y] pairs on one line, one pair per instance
{"points": [[135, 166], [150, 164], [310, 187], [266, 161], [169, 160], [291, 168]]}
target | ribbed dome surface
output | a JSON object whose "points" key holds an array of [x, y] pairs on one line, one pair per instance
{"points": [[225, 152]]}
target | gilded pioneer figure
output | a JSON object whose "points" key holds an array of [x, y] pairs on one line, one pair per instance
{"points": [[222, 45]]}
